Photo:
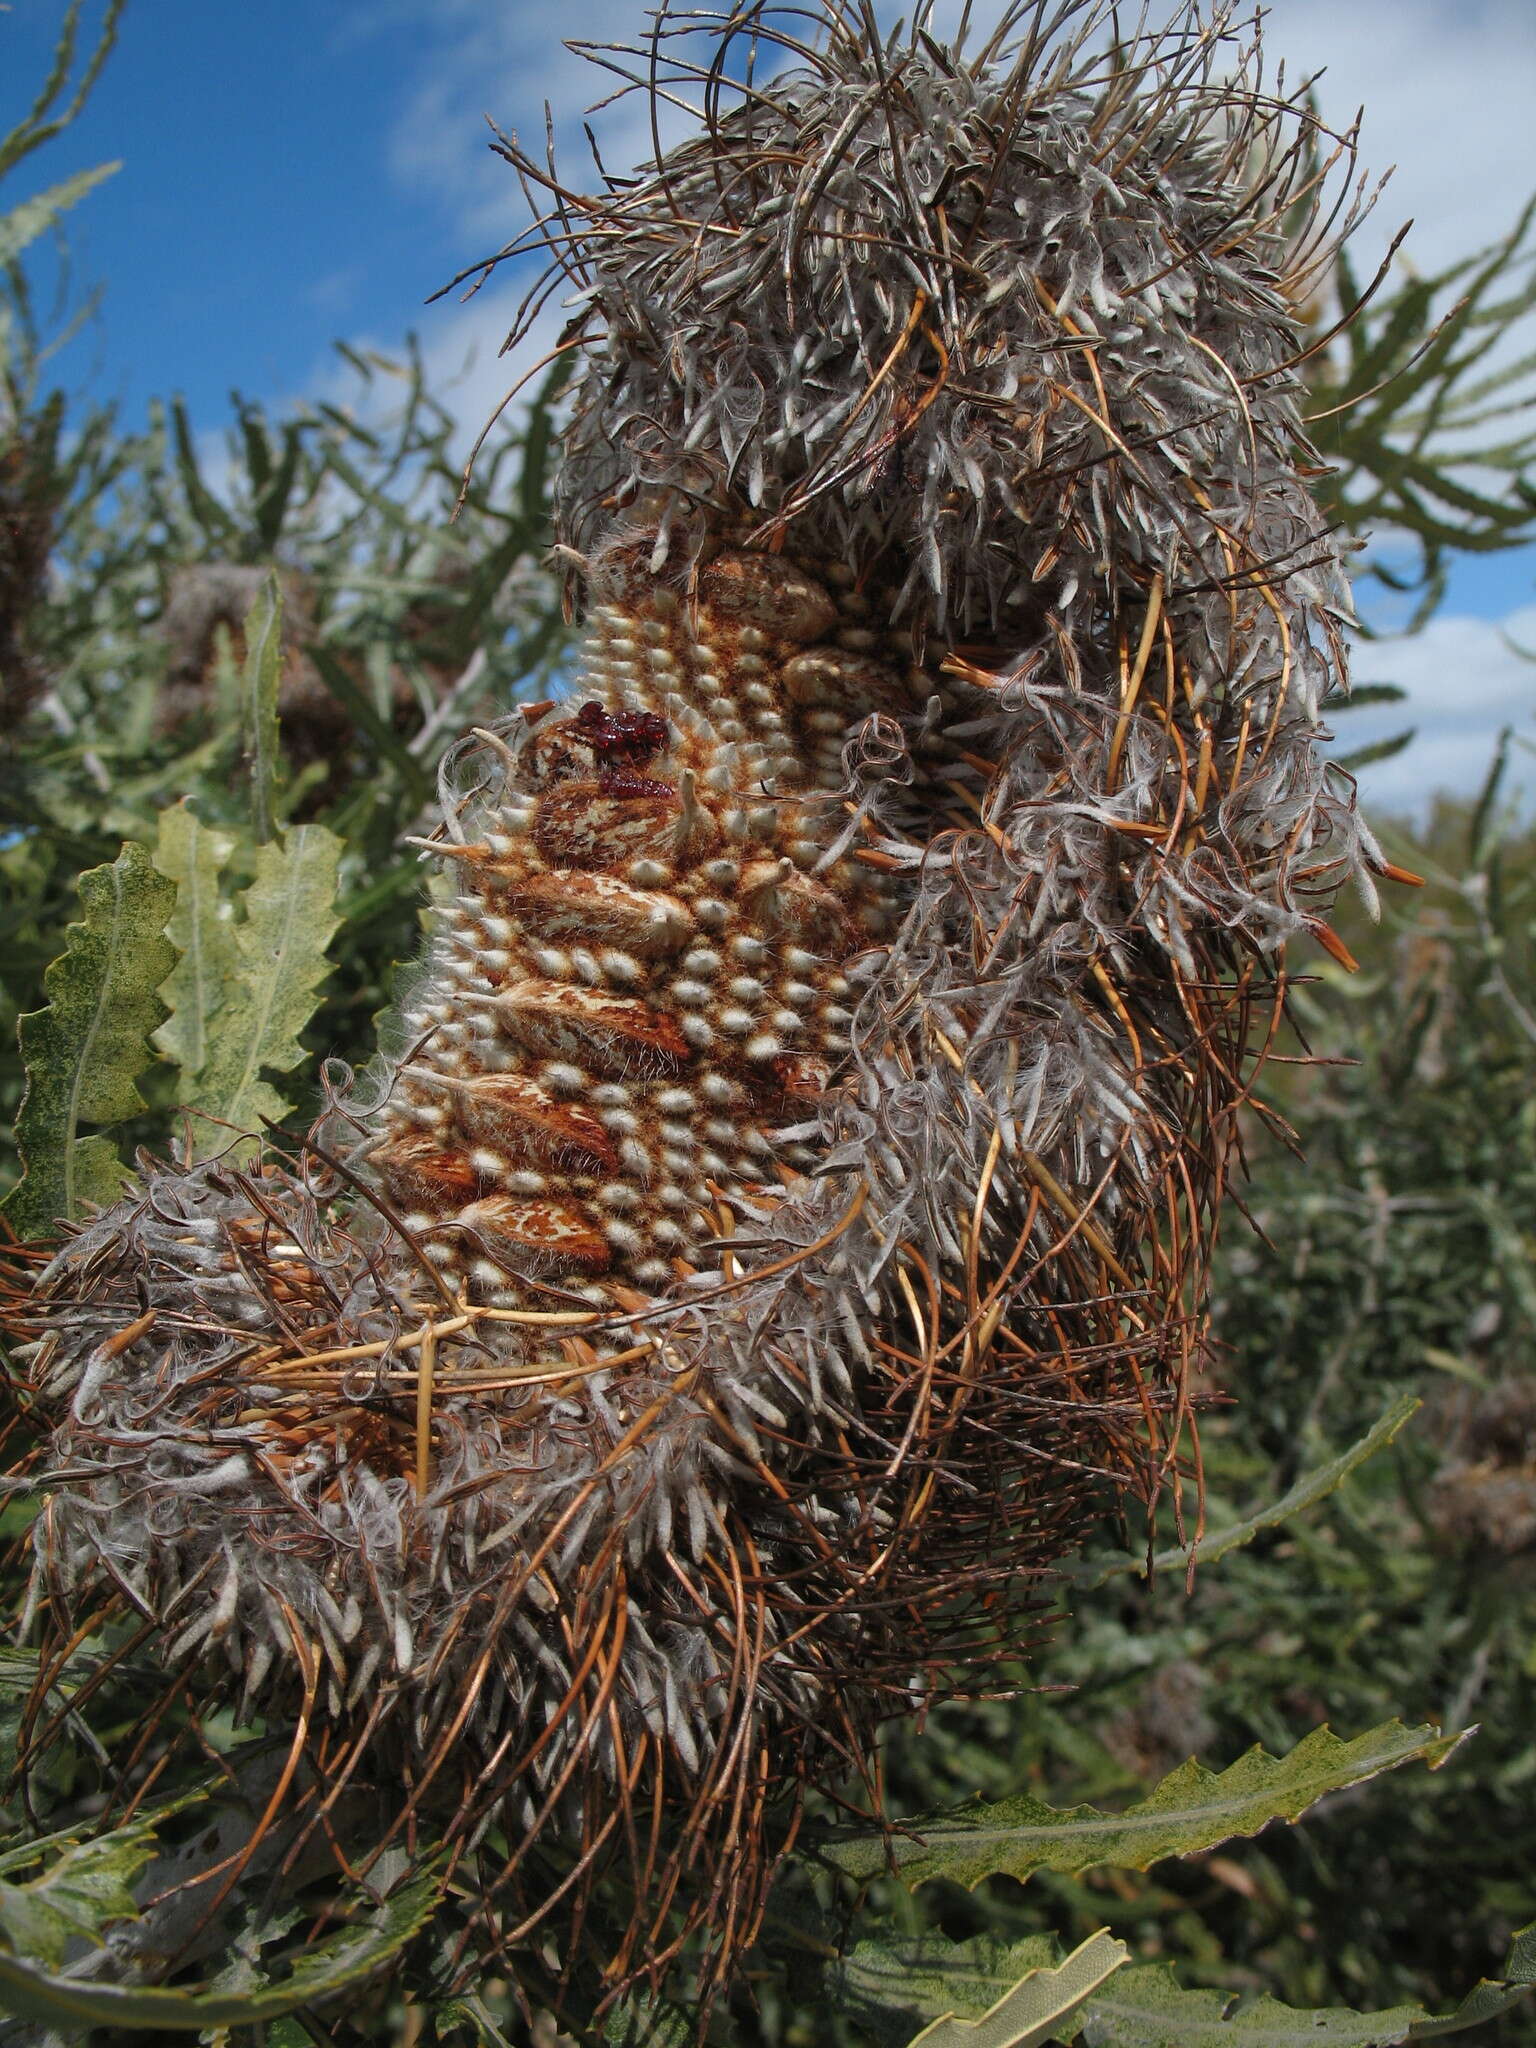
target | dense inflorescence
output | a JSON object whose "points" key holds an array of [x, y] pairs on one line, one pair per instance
{"points": [[642, 979], [784, 1207]]}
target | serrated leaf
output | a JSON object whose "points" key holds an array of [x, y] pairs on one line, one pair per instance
{"points": [[318, 1972], [191, 855], [34, 216], [1378, 750], [260, 678], [1491, 1996], [468, 2012], [87, 1886], [290, 917], [891, 1982], [1192, 1810], [1037, 2006], [218, 528], [84, 1053], [42, 123], [1148, 2008], [1308, 1490]]}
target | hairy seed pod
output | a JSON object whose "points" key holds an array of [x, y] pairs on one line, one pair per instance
{"points": [[787, 1204]]}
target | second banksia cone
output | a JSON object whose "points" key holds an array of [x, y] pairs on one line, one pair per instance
{"points": [[785, 1207]]}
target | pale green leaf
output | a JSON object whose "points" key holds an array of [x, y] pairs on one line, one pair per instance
{"points": [[891, 1983], [1491, 1996], [24, 223], [260, 678], [290, 916], [192, 854], [1038, 2006], [42, 122], [1308, 1490], [1192, 1810], [83, 1053], [84, 1888], [318, 1972], [1148, 2008]]}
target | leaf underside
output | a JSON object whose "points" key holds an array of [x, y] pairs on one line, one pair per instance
{"points": [[1021, 1996], [88, 1885]]}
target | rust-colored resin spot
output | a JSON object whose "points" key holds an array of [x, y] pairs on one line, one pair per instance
{"points": [[642, 980]]}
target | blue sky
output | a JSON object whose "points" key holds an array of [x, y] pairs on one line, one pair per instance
{"points": [[307, 169], [257, 214]]}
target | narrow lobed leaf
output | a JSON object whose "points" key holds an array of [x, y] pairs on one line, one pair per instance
{"points": [[192, 855], [290, 918], [24, 223], [331, 1966], [1039, 2007], [260, 679], [84, 1052], [1310, 1488], [1149, 2008], [83, 1889], [1192, 1810], [1492, 1995]]}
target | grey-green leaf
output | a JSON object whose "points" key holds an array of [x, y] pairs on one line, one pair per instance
{"points": [[320, 1972], [1192, 1810], [192, 855], [1038, 2007], [1310, 1488], [34, 216], [1148, 2008], [1492, 1995], [290, 917], [891, 1983], [470, 2013], [84, 1052], [87, 1886], [261, 676]]}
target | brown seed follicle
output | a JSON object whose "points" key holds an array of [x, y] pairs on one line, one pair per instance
{"points": [[622, 742], [618, 743], [641, 983]]}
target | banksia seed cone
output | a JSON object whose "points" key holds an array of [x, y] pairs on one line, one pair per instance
{"points": [[788, 1201]]}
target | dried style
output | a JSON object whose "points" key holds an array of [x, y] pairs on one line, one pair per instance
{"points": [[786, 1207]]}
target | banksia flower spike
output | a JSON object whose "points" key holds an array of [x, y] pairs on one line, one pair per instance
{"points": [[782, 1216]]}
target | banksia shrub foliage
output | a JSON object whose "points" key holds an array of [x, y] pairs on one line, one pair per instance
{"points": [[779, 1215]]}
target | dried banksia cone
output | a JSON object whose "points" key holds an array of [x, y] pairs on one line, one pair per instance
{"points": [[786, 1207]]}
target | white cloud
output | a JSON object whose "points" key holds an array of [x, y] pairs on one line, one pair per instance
{"points": [[1465, 679], [504, 62], [1447, 89]]}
